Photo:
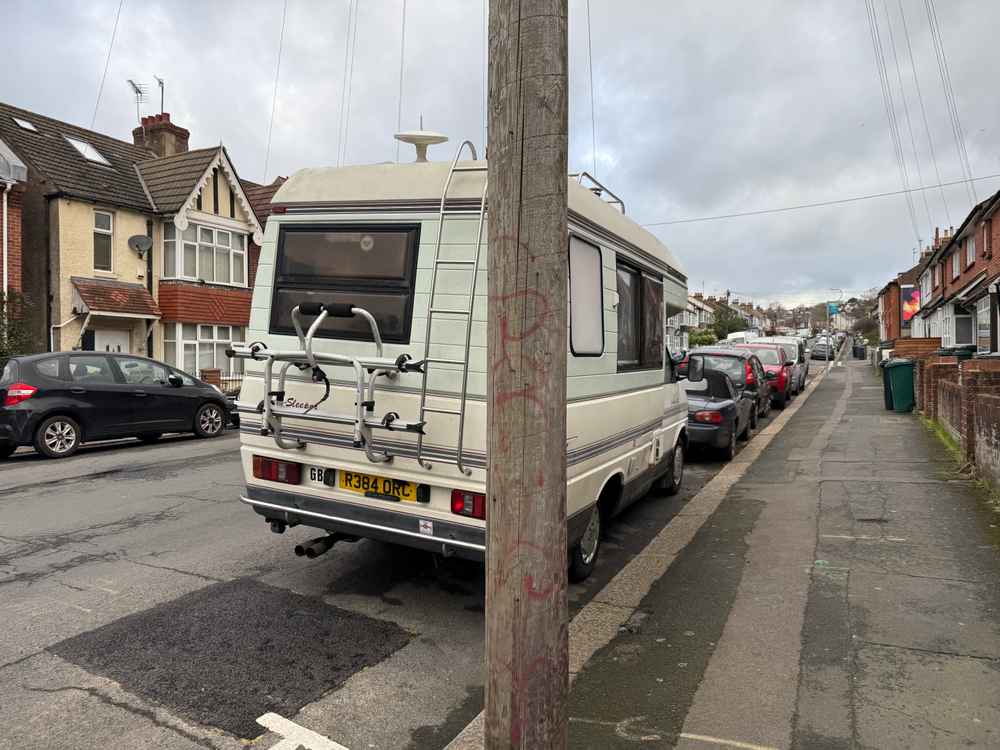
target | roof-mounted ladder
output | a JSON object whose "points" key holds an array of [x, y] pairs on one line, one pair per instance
{"points": [[464, 314]]}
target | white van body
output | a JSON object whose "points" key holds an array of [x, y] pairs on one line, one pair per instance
{"points": [[740, 337], [625, 422]]}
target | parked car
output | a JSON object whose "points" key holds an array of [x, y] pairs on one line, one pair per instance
{"points": [[746, 372], [779, 370], [59, 400], [718, 411], [823, 348], [795, 350]]}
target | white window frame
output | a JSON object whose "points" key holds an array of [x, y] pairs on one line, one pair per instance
{"points": [[87, 150], [176, 335], [110, 233], [237, 256], [956, 265], [937, 275], [982, 321], [970, 249]]}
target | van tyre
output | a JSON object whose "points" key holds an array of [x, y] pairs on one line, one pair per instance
{"points": [[57, 437], [583, 556], [209, 421], [670, 483]]}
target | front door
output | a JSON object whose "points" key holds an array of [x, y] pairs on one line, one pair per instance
{"points": [[110, 340]]}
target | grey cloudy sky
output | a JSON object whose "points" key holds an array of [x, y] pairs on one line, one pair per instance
{"points": [[702, 108]]}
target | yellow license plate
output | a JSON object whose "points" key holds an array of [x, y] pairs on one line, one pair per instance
{"points": [[373, 486]]}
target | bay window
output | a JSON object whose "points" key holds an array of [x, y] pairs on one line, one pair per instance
{"points": [[204, 253], [194, 347]]}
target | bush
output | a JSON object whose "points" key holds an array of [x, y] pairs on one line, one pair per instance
{"points": [[701, 338], [16, 336]]}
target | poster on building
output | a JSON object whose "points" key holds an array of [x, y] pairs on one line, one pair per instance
{"points": [[909, 304]]}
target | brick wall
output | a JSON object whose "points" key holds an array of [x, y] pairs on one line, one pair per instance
{"points": [[933, 371], [890, 312], [15, 240], [253, 260], [916, 348], [949, 407], [198, 303], [986, 429], [978, 378]]}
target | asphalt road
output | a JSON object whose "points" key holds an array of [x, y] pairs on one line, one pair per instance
{"points": [[144, 606]]}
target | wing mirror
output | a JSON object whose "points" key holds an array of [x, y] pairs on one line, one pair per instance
{"points": [[175, 380], [770, 376], [790, 362], [696, 369]]}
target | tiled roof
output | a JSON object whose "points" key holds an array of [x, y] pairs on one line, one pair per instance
{"points": [[170, 179], [260, 196], [47, 150], [105, 295]]}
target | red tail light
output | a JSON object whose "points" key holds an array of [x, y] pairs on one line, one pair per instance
{"points": [[18, 392], [471, 504], [751, 379], [708, 417], [276, 470]]}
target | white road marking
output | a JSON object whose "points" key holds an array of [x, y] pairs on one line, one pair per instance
{"points": [[864, 538], [725, 743], [295, 736]]}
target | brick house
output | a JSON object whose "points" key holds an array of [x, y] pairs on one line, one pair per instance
{"points": [[13, 173], [86, 195], [892, 323], [960, 279]]}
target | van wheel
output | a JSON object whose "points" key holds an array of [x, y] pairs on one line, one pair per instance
{"points": [[583, 556], [209, 421], [670, 483], [57, 437]]}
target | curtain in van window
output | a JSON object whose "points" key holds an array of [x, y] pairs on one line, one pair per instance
{"points": [[628, 316], [652, 322], [586, 299]]}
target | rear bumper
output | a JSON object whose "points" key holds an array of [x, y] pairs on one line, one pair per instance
{"points": [[711, 435], [15, 427], [431, 534]]}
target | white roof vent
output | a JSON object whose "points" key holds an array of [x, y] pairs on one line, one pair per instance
{"points": [[421, 139]]}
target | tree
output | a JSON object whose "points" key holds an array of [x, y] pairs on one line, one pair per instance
{"points": [[16, 336], [701, 337], [727, 321]]}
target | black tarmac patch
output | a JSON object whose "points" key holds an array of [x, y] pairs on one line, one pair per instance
{"points": [[230, 652]]}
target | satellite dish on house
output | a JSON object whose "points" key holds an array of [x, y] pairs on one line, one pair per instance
{"points": [[141, 244], [421, 139]]}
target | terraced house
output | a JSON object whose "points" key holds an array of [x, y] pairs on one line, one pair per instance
{"points": [[144, 247]]}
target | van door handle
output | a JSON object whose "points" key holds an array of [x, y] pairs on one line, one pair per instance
{"points": [[77, 390], [140, 394]]}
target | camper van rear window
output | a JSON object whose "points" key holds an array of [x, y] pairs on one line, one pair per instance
{"points": [[373, 267]]}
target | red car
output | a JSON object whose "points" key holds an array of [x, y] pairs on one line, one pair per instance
{"points": [[772, 356]]}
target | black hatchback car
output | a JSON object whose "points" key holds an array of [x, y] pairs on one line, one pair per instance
{"points": [[59, 400]]}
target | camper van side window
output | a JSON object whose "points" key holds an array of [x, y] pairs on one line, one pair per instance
{"points": [[629, 318], [640, 319], [372, 266], [586, 299]]}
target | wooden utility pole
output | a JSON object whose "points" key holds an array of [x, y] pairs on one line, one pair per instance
{"points": [[526, 621]]}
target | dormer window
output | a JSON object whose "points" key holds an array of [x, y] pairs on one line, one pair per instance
{"points": [[87, 151], [24, 124]]}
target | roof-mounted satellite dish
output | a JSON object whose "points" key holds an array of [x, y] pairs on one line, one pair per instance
{"points": [[421, 139], [141, 244]]}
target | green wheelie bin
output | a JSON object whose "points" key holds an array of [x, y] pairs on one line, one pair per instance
{"points": [[886, 384], [900, 374]]}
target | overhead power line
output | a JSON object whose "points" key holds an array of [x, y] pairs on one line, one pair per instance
{"points": [[817, 204], [949, 95], [274, 93], [593, 103], [343, 85], [350, 76], [107, 63], [923, 110], [906, 115], [402, 58]]}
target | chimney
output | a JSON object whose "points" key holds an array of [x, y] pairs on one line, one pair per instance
{"points": [[697, 295], [161, 136]]}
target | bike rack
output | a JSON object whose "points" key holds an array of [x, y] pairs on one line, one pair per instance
{"points": [[366, 370]]}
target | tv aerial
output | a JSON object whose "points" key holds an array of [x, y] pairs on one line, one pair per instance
{"points": [[139, 90]]}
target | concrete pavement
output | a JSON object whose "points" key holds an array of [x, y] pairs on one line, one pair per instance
{"points": [[842, 595]]}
